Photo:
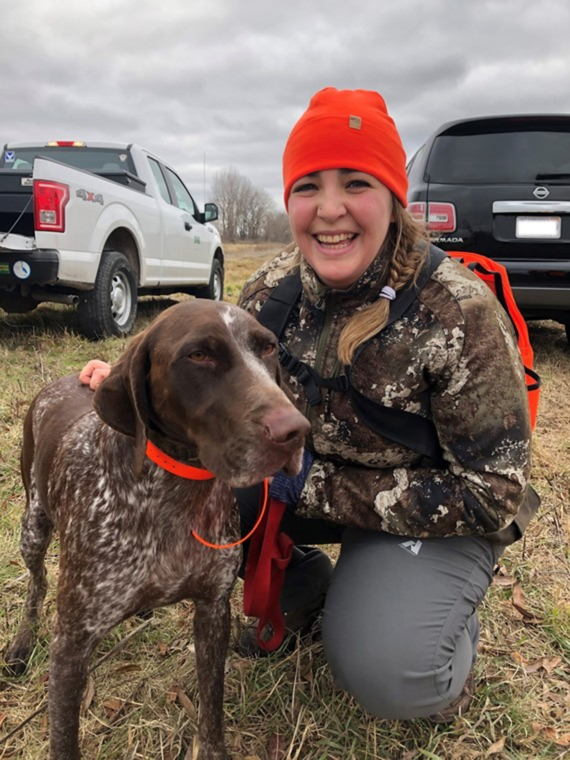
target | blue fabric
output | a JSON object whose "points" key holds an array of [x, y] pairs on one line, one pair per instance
{"points": [[288, 490]]}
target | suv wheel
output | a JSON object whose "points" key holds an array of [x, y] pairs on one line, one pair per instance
{"points": [[110, 309]]}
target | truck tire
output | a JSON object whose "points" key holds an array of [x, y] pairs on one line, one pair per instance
{"points": [[110, 309], [214, 290]]}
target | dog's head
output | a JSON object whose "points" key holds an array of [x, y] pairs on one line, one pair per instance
{"points": [[205, 376]]}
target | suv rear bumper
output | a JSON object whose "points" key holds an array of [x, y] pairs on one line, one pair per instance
{"points": [[542, 299], [541, 288]]}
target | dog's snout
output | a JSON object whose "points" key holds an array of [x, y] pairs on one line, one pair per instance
{"points": [[285, 424]]}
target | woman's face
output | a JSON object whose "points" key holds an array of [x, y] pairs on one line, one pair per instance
{"points": [[339, 219]]}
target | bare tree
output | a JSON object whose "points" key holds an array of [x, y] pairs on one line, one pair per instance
{"points": [[227, 192], [245, 211], [277, 228]]}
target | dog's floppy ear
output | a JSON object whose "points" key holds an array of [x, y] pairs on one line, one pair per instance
{"points": [[122, 398]]}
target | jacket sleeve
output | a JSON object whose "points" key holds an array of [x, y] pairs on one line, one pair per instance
{"points": [[480, 409]]}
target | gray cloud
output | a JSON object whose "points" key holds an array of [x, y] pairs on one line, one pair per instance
{"points": [[225, 81]]}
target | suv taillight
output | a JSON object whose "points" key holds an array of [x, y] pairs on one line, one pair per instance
{"points": [[440, 216], [50, 200]]}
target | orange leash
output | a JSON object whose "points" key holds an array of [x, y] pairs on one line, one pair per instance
{"points": [[198, 473], [251, 532]]}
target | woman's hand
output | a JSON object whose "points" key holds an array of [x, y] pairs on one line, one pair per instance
{"points": [[93, 373]]}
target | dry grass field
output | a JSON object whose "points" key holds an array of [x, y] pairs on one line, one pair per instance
{"points": [[141, 700]]}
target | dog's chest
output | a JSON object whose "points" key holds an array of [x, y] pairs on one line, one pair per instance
{"points": [[135, 534]]}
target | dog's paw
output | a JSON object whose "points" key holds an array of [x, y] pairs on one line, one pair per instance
{"points": [[18, 654]]}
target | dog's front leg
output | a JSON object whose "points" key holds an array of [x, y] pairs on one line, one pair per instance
{"points": [[69, 657], [211, 639]]}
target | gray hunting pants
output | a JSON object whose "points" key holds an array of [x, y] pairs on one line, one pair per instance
{"points": [[400, 626]]}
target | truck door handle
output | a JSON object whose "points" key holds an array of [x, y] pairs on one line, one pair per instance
{"points": [[187, 226]]}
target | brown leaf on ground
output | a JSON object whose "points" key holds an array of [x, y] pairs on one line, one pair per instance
{"points": [[186, 703], [519, 659], [88, 695], [112, 707], [519, 603], [129, 667], [504, 581], [171, 694], [561, 740], [497, 747], [544, 663], [277, 747], [3, 717]]}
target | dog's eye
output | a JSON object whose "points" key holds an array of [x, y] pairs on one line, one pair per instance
{"points": [[198, 356], [268, 349]]}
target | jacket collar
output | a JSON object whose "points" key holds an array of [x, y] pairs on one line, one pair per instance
{"points": [[360, 294]]}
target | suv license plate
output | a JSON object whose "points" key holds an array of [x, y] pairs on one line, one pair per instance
{"points": [[538, 227]]}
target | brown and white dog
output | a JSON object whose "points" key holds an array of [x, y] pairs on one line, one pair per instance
{"points": [[202, 383]]}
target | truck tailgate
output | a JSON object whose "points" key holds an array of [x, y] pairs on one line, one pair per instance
{"points": [[16, 204]]}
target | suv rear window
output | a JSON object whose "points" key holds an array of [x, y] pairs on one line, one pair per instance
{"points": [[89, 159], [504, 156]]}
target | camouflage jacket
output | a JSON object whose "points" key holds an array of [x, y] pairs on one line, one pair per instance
{"points": [[452, 358]]}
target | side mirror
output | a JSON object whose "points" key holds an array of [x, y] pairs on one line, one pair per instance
{"points": [[210, 212]]}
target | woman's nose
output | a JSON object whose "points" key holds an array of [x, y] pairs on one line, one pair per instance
{"points": [[331, 206]]}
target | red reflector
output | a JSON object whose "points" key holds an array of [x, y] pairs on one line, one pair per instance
{"points": [[441, 217], [418, 210], [50, 200]]}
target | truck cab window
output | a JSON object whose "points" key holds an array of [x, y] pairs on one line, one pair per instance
{"points": [[183, 197], [159, 179]]}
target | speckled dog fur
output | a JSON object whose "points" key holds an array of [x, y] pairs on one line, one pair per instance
{"points": [[203, 383]]}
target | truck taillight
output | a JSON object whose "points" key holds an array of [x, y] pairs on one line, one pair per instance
{"points": [[50, 200], [440, 216]]}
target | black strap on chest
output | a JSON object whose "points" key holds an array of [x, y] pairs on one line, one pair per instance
{"points": [[408, 429]]}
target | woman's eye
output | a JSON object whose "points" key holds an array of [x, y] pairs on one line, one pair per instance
{"points": [[304, 187], [198, 356], [357, 183]]}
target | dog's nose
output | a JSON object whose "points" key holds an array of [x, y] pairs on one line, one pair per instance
{"points": [[283, 425]]}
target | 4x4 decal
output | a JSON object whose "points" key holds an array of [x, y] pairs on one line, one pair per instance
{"points": [[87, 195]]}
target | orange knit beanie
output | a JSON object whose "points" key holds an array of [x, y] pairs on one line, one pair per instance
{"points": [[346, 129]]}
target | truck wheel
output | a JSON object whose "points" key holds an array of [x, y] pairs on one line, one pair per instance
{"points": [[214, 290], [110, 308]]}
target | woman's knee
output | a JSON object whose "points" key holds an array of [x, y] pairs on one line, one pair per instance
{"points": [[392, 680], [395, 636]]}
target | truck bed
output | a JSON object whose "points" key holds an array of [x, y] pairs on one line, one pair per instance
{"points": [[16, 204]]}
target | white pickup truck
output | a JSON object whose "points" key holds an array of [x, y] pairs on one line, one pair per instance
{"points": [[97, 224]]}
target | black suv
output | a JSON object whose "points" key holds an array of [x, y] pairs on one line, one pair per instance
{"points": [[500, 186]]}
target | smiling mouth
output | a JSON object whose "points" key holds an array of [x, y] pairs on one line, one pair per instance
{"points": [[335, 242]]}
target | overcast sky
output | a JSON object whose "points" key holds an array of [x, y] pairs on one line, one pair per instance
{"points": [[224, 80]]}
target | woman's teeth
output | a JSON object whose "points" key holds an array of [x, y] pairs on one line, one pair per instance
{"points": [[334, 239]]}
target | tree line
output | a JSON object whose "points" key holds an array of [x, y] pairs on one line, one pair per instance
{"points": [[247, 212]]}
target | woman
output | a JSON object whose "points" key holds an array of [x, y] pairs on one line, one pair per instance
{"points": [[419, 536]]}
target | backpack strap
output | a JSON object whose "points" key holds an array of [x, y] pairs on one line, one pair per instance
{"points": [[277, 309], [406, 428]]}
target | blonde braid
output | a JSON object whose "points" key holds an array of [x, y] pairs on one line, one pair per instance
{"points": [[404, 240]]}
